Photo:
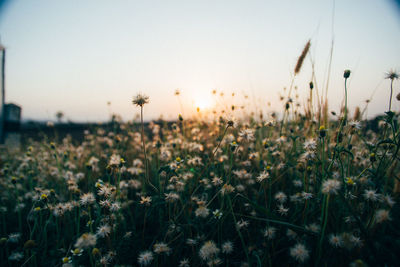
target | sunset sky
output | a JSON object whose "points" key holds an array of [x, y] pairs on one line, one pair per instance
{"points": [[75, 56]]}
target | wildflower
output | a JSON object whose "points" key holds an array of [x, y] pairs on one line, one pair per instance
{"points": [[103, 230], [241, 224], [382, 215], [322, 131], [77, 252], [85, 241], [208, 251], [140, 99], [105, 191], [145, 258], [184, 263], [350, 181], [331, 186], [178, 160], [146, 201], [269, 232], [116, 206], [191, 242], [171, 197], [299, 252], [214, 262], [43, 197], [371, 195], [313, 227], [233, 145], [87, 199], [216, 181], [310, 144], [306, 195], [202, 211], [115, 160], [226, 189], [66, 260], [16, 256], [282, 210], [281, 197], [217, 214], [30, 244], [161, 248], [95, 251], [372, 157], [247, 135], [264, 175], [355, 125], [346, 74], [392, 75], [388, 200], [227, 247], [297, 183], [336, 240], [14, 237], [355, 241], [105, 260]]}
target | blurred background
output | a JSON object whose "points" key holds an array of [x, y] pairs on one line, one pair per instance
{"points": [[89, 58]]}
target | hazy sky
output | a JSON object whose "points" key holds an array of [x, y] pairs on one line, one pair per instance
{"points": [[77, 55]]}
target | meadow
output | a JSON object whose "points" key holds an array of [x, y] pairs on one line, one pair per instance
{"points": [[307, 188]]}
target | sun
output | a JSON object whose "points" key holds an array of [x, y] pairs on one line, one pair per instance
{"points": [[202, 102]]}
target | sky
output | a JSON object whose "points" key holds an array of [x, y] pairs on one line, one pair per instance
{"points": [[76, 56]]}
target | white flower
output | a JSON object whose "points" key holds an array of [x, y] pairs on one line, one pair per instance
{"points": [[85, 241], [184, 263], [336, 241], [227, 247], [388, 200], [14, 237], [281, 197], [202, 211], [208, 251], [115, 207], [145, 258], [115, 160], [103, 230], [269, 232], [282, 210], [161, 248], [247, 135], [242, 224], [217, 214], [371, 195], [331, 186], [382, 215], [264, 175], [87, 199], [171, 197], [306, 195], [313, 227], [16, 256], [299, 252], [310, 144]]}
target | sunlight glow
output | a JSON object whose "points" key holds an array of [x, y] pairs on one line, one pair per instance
{"points": [[203, 101]]}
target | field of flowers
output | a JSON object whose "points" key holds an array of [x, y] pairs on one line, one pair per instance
{"points": [[257, 191]]}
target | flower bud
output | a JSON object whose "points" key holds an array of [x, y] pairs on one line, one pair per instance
{"points": [[346, 74]]}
